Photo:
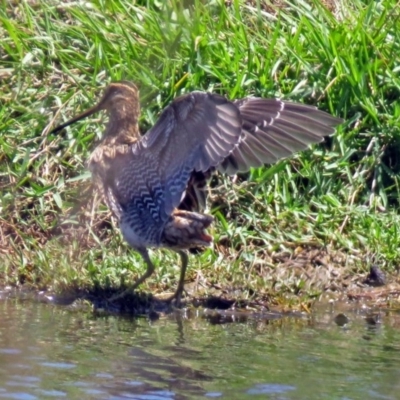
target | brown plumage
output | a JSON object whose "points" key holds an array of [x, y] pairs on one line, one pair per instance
{"points": [[155, 184]]}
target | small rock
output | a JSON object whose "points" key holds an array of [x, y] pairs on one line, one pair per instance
{"points": [[375, 277], [341, 319]]}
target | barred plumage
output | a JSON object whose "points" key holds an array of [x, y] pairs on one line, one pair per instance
{"points": [[155, 184]]}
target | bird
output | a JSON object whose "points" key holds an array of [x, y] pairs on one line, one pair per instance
{"points": [[156, 184]]}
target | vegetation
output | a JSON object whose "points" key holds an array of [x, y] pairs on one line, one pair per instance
{"points": [[299, 227]]}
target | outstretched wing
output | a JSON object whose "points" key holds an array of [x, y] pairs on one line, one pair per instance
{"points": [[274, 129], [199, 132], [196, 132]]}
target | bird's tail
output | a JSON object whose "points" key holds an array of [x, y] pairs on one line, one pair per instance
{"points": [[186, 230]]}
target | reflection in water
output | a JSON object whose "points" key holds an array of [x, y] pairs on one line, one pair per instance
{"points": [[50, 352]]}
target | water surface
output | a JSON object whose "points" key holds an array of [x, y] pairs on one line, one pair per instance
{"points": [[49, 352]]}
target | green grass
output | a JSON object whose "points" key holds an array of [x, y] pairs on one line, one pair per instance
{"points": [[340, 198]]}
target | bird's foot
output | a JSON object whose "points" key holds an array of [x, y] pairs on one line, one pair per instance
{"points": [[176, 298]]}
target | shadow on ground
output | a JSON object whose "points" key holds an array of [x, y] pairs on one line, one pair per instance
{"points": [[137, 303], [373, 291]]}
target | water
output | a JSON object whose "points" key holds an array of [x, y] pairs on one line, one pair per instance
{"points": [[49, 352]]}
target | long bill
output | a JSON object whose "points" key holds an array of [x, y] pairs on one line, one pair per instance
{"points": [[85, 114]]}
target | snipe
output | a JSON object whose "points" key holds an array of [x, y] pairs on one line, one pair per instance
{"points": [[155, 184]]}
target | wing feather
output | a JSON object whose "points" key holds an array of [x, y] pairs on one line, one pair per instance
{"points": [[274, 129], [196, 132]]}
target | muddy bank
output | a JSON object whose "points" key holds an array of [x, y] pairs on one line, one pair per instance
{"points": [[375, 290]]}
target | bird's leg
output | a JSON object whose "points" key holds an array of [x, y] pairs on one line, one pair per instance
{"points": [[149, 271], [179, 290], [185, 230]]}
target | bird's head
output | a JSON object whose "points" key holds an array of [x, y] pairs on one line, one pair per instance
{"points": [[118, 94], [119, 99]]}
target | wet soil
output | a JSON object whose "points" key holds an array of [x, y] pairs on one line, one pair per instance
{"points": [[372, 291]]}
